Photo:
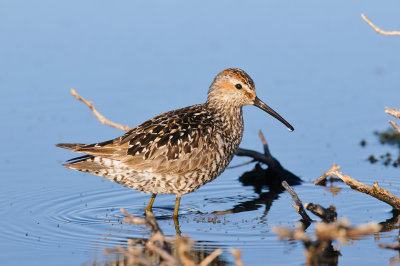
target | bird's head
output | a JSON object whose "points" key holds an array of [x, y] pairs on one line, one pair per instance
{"points": [[234, 87]]}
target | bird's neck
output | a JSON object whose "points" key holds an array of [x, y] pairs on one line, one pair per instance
{"points": [[230, 117]]}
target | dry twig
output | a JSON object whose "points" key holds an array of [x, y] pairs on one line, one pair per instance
{"points": [[395, 126], [375, 191], [395, 113], [300, 207], [378, 30], [96, 113], [237, 253]]}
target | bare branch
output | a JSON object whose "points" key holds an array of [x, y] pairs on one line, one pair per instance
{"points": [[96, 113], [375, 191], [324, 176], [300, 208], [378, 30]]}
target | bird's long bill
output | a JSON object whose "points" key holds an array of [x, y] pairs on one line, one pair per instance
{"points": [[260, 104]]}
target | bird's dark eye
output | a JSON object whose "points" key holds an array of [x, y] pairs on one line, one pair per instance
{"points": [[238, 86]]}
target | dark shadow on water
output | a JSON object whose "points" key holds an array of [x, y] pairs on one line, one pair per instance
{"points": [[261, 179], [271, 178], [391, 223]]}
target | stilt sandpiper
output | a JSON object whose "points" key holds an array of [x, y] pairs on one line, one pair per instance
{"points": [[178, 151]]}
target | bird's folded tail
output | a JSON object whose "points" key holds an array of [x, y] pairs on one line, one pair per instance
{"points": [[77, 160], [70, 146]]}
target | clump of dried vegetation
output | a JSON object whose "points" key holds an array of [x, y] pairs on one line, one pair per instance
{"points": [[162, 250]]}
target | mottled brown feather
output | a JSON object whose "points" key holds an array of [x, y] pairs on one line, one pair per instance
{"points": [[162, 143]]}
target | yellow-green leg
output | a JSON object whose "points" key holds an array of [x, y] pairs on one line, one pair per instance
{"points": [[177, 227], [176, 210], [148, 208]]}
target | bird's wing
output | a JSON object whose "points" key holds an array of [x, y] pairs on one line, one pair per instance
{"points": [[174, 142]]}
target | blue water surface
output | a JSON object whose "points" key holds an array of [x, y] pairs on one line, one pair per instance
{"points": [[317, 63]]}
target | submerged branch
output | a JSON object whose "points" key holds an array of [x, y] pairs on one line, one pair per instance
{"points": [[300, 208], [327, 215], [253, 154]]}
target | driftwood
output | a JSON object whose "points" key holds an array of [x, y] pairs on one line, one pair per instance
{"points": [[375, 191], [378, 30]]}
